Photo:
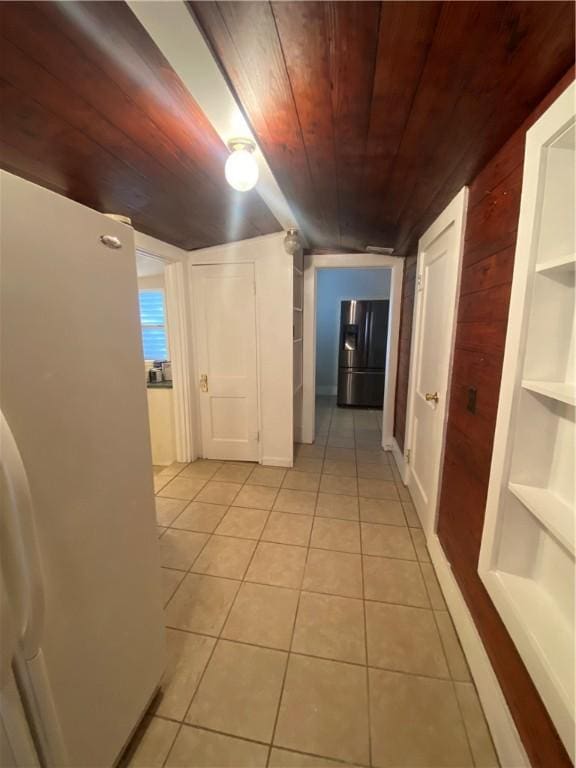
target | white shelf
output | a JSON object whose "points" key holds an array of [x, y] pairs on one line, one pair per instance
{"points": [[554, 513], [559, 264], [549, 633], [556, 390]]}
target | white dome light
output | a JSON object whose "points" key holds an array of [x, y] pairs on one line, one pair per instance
{"points": [[241, 168]]}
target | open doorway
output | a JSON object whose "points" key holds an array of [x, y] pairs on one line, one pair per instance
{"points": [[334, 284], [157, 358], [352, 312]]}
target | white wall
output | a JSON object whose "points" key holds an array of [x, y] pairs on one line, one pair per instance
{"points": [[334, 286], [151, 282], [161, 416], [273, 269]]}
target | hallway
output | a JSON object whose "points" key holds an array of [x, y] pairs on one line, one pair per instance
{"points": [[305, 623]]}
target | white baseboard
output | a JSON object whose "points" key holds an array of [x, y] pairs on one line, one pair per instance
{"points": [[399, 459], [326, 389], [387, 442], [275, 461], [509, 747]]}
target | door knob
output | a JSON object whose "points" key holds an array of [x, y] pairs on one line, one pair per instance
{"points": [[204, 382], [431, 397]]}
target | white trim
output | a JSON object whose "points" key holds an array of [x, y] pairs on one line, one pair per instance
{"points": [[275, 461], [454, 214], [179, 341], [176, 302], [312, 264], [158, 249], [231, 253], [509, 747], [396, 281], [307, 427], [250, 251], [399, 459], [174, 30]]}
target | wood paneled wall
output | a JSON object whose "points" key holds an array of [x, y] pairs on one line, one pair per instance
{"points": [[488, 262], [406, 314]]}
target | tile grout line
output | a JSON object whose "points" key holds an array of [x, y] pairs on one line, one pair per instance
{"points": [[217, 640], [288, 656], [368, 701], [443, 644], [309, 655], [343, 763], [258, 540]]}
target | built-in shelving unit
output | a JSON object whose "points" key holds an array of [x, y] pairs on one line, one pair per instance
{"points": [[297, 335], [528, 546]]}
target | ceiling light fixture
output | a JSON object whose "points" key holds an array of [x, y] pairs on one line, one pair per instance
{"points": [[241, 168], [292, 242]]}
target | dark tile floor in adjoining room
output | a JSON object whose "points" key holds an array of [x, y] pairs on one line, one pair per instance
{"points": [[305, 624]]}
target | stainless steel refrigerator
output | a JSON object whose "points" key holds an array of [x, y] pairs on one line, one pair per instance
{"points": [[362, 355]]}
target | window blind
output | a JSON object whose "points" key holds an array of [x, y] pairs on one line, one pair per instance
{"points": [[153, 321]]}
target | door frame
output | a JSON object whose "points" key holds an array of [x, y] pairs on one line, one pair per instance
{"points": [[194, 263], [175, 293], [305, 432], [454, 213]]}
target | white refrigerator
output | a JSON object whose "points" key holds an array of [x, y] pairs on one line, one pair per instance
{"points": [[82, 646]]}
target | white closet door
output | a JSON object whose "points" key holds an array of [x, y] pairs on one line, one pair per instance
{"points": [[439, 257], [225, 312]]}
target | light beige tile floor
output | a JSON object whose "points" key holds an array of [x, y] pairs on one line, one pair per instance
{"points": [[305, 624]]}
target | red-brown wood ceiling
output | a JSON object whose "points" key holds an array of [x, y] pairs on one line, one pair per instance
{"points": [[373, 115], [91, 109]]}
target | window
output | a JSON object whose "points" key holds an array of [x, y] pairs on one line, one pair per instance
{"points": [[153, 320]]}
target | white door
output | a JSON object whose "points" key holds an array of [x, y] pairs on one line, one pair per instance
{"points": [[225, 311], [438, 277]]}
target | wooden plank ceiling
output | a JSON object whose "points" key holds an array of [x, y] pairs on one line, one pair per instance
{"points": [[91, 109], [373, 115]]}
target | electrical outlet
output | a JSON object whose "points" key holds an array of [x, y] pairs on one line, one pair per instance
{"points": [[471, 403]]}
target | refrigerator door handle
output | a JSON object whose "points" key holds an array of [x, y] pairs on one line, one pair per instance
{"points": [[21, 530], [9, 639]]}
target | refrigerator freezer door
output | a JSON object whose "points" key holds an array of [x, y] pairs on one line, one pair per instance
{"points": [[361, 387], [68, 306]]}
